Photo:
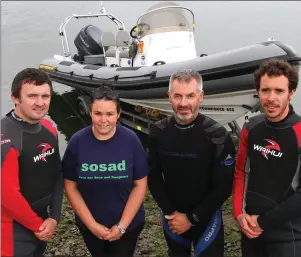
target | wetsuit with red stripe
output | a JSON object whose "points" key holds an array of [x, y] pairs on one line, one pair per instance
{"points": [[267, 183], [31, 182]]}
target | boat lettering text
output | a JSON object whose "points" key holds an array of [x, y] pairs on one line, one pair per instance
{"points": [[221, 109]]}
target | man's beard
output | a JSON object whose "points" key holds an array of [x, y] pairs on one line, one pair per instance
{"points": [[182, 119]]}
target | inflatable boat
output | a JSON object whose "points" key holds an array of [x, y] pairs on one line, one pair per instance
{"points": [[139, 64]]}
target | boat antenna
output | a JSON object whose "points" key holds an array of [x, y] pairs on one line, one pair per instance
{"points": [[102, 9]]}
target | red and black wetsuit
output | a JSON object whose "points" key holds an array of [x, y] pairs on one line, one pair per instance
{"points": [[267, 183], [31, 182], [191, 172]]}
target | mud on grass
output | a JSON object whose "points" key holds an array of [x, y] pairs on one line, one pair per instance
{"points": [[68, 241]]}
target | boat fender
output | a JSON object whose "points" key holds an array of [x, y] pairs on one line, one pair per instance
{"points": [[138, 108], [91, 76], [148, 111], [155, 113], [116, 77]]}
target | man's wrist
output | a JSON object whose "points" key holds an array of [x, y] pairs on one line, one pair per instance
{"points": [[52, 220], [192, 218], [261, 222]]}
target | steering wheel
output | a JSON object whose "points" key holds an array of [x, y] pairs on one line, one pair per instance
{"points": [[141, 26]]}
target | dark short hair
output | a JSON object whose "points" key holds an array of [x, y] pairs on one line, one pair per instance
{"points": [[275, 68], [29, 75], [105, 92]]}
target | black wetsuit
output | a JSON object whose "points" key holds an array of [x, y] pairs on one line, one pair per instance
{"points": [[267, 183], [191, 172], [31, 183]]}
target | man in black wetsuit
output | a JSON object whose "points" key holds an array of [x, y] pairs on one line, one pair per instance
{"points": [[31, 181], [266, 190], [192, 163]]}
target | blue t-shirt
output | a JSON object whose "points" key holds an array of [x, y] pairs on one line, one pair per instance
{"points": [[104, 172]]}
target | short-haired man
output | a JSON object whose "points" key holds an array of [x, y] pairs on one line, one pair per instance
{"points": [[266, 190], [192, 165], [31, 181]]}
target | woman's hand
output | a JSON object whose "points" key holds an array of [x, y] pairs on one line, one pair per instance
{"points": [[100, 231], [114, 234]]}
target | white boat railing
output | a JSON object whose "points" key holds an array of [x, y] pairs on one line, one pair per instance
{"points": [[103, 13]]}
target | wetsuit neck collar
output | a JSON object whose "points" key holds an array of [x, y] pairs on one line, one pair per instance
{"points": [[186, 126], [25, 125], [16, 117], [283, 121]]}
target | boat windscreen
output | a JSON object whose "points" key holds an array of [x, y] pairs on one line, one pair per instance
{"points": [[167, 19]]}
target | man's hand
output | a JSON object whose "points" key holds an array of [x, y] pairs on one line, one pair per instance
{"points": [[178, 223], [255, 219], [99, 230], [46, 230], [114, 234], [248, 226]]}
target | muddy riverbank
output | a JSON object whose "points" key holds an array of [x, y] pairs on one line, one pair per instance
{"points": [[68, 242]]}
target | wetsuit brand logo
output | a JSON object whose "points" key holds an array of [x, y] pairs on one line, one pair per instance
{"points": [[104, 167], [228, 161], [46, 151], [213, 228], [272, 149], [4, 141], [195, 218], [184, 155]]}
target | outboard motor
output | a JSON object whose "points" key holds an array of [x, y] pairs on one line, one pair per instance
{"points": [[88, 41]]}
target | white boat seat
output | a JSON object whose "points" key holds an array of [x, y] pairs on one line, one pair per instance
{"points": [[123, 39], [108, 44], [111, 52], [124, 54]]}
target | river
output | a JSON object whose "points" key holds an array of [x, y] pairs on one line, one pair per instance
{"points": [[30, 33]]}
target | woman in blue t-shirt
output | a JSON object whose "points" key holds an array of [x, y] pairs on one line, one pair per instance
{"points": [[105, 170]]}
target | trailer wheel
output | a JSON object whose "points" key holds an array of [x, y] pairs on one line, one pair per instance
{"points": [[81, 108], [83, 105]]}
